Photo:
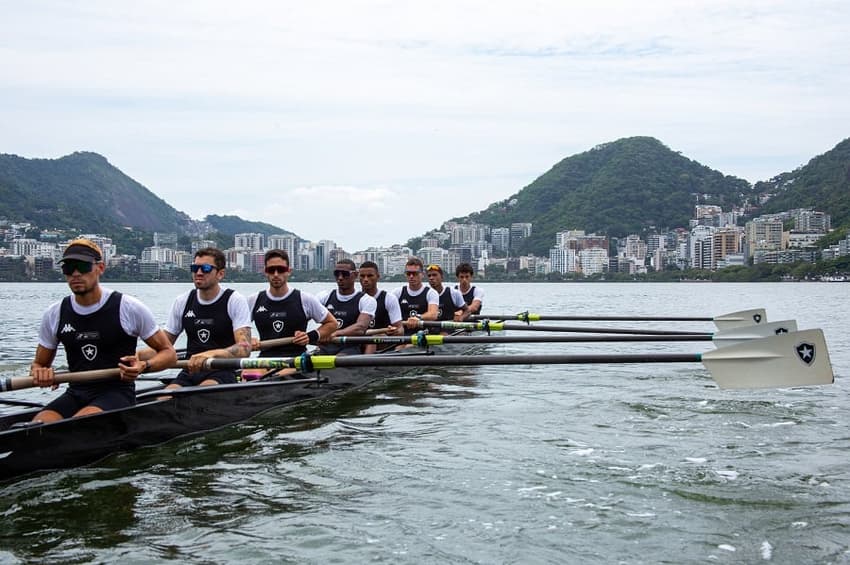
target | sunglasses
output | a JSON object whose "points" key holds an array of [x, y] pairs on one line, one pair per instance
{"points": [[275, 269], [412, 273], [433, 268], [82, 267], [340, 273], [205, 268]]}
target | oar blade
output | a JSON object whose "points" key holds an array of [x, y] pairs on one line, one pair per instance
{"points": [[744, 334], [743, 318], [785, 360]]}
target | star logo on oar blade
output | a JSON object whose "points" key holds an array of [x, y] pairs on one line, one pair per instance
{"points": [[780, 331], [757, 318], [806, 353]]}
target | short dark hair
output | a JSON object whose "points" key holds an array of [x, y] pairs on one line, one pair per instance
{"points": [[415, 261], [370, 265], [348, 262], [216, 254], [464, 268], [279, 253]]}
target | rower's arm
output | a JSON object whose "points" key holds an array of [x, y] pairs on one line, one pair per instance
{"points": [[359, 327], [164, 356], [432, 313]]}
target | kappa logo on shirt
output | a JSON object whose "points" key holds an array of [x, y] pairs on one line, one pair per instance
{"points": [[330, 306], [204, 335], [262, 309], [190, 314], [67, 328], [403, 301], [89, 351]]}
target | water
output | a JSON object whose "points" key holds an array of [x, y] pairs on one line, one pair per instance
{"points": [[532, 464]]}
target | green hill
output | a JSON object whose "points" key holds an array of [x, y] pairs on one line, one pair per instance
{"points": [[82, 192], [616, 188], [823, 183]]}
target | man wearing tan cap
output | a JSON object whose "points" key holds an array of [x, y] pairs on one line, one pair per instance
{"points": [[99, 329]]}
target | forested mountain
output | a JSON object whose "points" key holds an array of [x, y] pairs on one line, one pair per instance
{"points": [[81, 191], [616, 188], [234, 224], [823, 183], [85, 193]]}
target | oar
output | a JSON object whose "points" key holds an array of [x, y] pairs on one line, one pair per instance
{"points": [[720, 339], [488, 326], [277, 342], [792, 359], [17, 383], [723, 322]]}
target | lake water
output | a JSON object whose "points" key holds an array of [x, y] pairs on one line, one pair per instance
{"points": [[531, 464]]}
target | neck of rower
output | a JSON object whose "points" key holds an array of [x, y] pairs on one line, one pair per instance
{"points": [[90, 297], [209, 294], [279, 291]]}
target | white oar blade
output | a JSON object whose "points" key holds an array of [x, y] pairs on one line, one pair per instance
{"points": [[744, 334], [785, 360], [742, 318]]}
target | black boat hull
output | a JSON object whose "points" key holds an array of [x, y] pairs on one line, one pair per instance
{"points": [[84, 440]]}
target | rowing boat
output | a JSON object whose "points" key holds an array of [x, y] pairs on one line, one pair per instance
{"points": [[153, 420]]}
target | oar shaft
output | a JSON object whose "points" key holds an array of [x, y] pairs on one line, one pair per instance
{"points": [[500, 326], [427, 340], [339, 361], [526, 317]]}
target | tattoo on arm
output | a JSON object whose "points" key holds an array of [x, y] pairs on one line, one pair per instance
{"points": [[242, 347]]}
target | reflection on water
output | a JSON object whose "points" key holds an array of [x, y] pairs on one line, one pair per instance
{"points": [[595, 463]]}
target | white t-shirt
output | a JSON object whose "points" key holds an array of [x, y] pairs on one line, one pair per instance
{"points": [[136, 318], [237, 309], [477, 293], [393, 307]]}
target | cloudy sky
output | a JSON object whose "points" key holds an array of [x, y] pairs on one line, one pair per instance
{"points": [[369, 122]]}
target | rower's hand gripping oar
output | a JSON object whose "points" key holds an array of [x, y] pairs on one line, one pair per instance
{"points": [[723, 322], [785, 360]]}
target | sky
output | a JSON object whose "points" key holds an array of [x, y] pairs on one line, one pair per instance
{"points": [[371, 122]]}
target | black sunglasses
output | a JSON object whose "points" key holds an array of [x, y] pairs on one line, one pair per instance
{"points": [[274, 269], [82, 267], [205, 268], [340, 273], [412, 273]]}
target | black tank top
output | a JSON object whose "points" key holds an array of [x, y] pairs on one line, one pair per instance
{"points": [[382, 316], [346, 313], [469, 296], [280, 318], [446, 311], [207, 326], [95, 341], [412, 306]]}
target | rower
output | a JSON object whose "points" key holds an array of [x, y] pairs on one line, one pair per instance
{"points": [[217, 322], [353, 310], [388, 312], [283, 312], [417, 301], [98, 328], [452, 305], [472, 295]]}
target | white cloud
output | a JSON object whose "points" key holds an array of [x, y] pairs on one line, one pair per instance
{"points": [[437, 108]]}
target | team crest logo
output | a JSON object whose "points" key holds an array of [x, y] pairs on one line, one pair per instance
{"points": [[780, 331], [339, 323], [806, 353], [89, 351], [204, 335], [757, 318], [278, 326]]}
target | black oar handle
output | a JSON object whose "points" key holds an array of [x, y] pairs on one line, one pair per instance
{"points": [[478, 360]]}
